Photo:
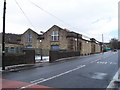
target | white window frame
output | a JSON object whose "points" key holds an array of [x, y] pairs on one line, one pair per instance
{"points": [[55, 36]]}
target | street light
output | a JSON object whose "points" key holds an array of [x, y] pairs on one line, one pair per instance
{"points": [[41, 49], [41, 45]]}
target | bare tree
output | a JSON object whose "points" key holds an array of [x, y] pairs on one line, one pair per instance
{"points": [[114, 43]]}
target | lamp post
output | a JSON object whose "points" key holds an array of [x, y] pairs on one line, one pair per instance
{"points": [[41, 49], [41, 45], [3, 37]]}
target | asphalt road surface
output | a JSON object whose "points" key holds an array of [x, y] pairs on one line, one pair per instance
{"points": [[94, 71]]}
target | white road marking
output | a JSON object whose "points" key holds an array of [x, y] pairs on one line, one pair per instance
{"points": [[78, 67], [112, 85], [105, 62], [61, 74], [100, 58], [112, 63], [36, 80], [94, 61], [97, 62]]}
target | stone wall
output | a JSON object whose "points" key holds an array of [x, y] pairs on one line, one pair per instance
{"points": [[55, 55], [85, 47], [27, 57], [25, 39]]}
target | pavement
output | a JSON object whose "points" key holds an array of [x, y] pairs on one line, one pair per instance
{"points": [[115, 82], [11, 84], [20, 67]]}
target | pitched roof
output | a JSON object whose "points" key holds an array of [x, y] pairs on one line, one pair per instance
{"points": [[29, 29], [54, 26]]}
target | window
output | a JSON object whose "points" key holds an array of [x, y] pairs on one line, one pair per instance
{"points": [[55, 36], [29, 37]]}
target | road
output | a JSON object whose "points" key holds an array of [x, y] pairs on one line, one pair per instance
{"points": [[94, 71]]}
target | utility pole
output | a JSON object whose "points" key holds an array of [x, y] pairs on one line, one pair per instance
{"points": [[102, 43], [3, 37]]}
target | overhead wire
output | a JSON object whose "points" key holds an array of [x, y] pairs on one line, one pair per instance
{"points": [[54, 16], [24, 14], [47, 12]]}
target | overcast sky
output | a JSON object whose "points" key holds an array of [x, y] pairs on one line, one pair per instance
{"points": [[91, 18]]}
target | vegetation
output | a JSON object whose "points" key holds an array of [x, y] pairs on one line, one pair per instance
{"points": [[114, 43]]}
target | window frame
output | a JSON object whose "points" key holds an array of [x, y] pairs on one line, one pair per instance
{"points": [[55, 36]]}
